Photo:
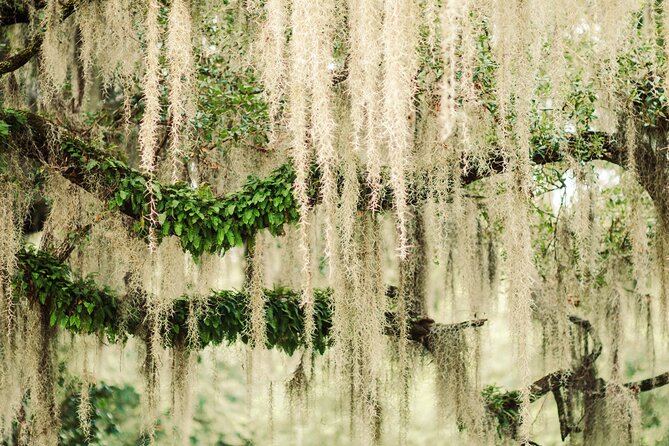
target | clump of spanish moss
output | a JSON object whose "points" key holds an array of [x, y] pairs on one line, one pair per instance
{"points": [[272, 49], [459, 399], [399, 36], [12, 213], [615, 418], [148, 135], [180, 61], [184, 368], [255, 289], [359, 325]]}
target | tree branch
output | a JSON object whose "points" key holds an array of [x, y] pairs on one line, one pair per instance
{"points": [[82, 307], [565, 427], [24, 56], [582, 378], [92, 169], [650, 383], [21, 58]]}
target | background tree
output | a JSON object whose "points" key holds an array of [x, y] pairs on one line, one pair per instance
{"points": [[459, 162]]}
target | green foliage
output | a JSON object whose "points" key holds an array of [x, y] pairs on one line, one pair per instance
{"points": [[231, 105], [550, 135], [224, 319], [503, 406], [77, 305], [203, 222], [80, 306], [11, 117], [16, 116], [111, 407], [639, 70], [4, 129], [485, 70]]}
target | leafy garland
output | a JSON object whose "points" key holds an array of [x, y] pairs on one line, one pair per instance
{"points": [[202, 221], [81, 306]]}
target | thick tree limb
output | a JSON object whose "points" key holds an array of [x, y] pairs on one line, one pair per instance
{"points": [[202, 222], [21, 15], [611, 151], [223, 316], [21, 58], [84, 166]]}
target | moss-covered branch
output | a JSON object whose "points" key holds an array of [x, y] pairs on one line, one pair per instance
{"points": [[17, 13], [203, 222], [81, 306], [22, 57]]}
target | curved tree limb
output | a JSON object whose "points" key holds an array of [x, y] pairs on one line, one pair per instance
{"points": [[86, 166], [223, 316], [17, 14], [16, 61]]}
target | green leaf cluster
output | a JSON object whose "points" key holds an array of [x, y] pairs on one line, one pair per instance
{"points": [[205, 223], [77, 305], [504, 407], [225, 319]]}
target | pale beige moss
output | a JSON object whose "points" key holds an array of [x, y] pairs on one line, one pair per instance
{"points": [[255, 289], [184, 371], [399, 36], [359, 325], [181, 99], [57, 50], [13, 209], [615, 419], [451, 18], [14, 366], [521, 274], [302, 26], [271, 50], [459, 399], [148, 133], [85, 408], [364, 83]]}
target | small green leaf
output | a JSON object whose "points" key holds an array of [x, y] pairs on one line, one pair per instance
{"points": [[4, 129]]}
